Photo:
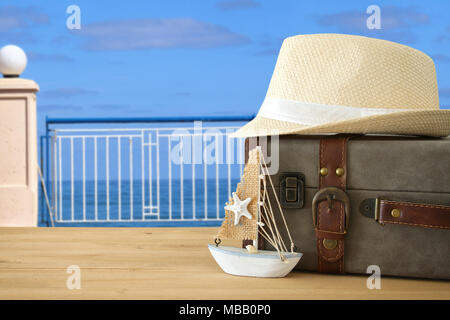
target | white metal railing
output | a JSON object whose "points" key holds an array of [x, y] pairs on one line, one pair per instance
{"points": [[143, 174]]}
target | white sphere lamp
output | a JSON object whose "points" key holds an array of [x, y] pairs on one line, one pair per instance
{"points": [[13, 61]]}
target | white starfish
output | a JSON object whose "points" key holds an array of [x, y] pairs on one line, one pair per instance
{"points": [[239, 208]]}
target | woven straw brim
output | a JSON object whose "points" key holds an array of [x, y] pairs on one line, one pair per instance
{"points": [[416, 122]]}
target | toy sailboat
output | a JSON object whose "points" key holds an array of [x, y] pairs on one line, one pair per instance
{"points": [[248, 215]]}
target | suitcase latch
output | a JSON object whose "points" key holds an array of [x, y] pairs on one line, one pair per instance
{"points": [[292, 189]]}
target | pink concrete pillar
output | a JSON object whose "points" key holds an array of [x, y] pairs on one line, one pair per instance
{"points": [[18, 151]]}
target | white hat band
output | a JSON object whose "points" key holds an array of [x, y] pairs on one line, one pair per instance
{"points": [[310, 114]]}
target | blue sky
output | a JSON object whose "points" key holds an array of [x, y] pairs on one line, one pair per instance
{"points": [[199, 57]]}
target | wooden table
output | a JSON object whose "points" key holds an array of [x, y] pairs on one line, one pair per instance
{"points": [[162, 263]]}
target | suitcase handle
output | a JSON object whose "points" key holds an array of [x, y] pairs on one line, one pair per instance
{"points": [[406, 213]]}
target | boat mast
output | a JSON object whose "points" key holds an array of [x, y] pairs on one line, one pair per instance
{"points": [[258, 207]]}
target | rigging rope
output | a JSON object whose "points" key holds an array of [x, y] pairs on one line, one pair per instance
{"points": [[45, 194], [278, 202]]}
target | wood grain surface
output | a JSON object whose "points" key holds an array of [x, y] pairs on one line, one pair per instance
{"points": [[163, 263]]}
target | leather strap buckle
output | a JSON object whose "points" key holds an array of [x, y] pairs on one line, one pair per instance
{"points": [[329, 194]]}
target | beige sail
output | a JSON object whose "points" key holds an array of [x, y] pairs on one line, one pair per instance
{"points": [[248, 187]]}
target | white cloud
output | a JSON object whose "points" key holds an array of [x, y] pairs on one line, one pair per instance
{"points": [[107, 107], [157, 33], [443, 38], [12, 17], [396, 23], [15, 23], [67, 93], [52, 57], [441, 57], [392, 17], [237, 5], [58, 107]]}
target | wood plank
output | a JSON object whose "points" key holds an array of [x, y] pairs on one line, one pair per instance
{"points": [[162, 263]]}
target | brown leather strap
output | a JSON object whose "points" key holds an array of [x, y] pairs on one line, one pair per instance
{"points": [[414, 214], [330, 235], [330, 221]]}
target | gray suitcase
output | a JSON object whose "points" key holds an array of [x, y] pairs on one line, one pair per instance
{"points": [[398, 190]]}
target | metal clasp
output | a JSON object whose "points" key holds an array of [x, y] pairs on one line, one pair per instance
{"points": [[292, 189], [371, 208], [331, 193], [377, 209]]}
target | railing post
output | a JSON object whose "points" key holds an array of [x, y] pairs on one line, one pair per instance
{"points": [[18, 142]]}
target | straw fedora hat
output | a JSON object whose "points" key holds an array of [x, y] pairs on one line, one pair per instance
{"points": [[336, 83]]}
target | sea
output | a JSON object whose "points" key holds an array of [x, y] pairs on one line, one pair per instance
{"points": [[137, 206]]}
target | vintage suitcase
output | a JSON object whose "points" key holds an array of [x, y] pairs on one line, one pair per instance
{"points": [[355, 201]]}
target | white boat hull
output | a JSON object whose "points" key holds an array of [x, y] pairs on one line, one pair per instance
{"points": [[264, 263]]}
